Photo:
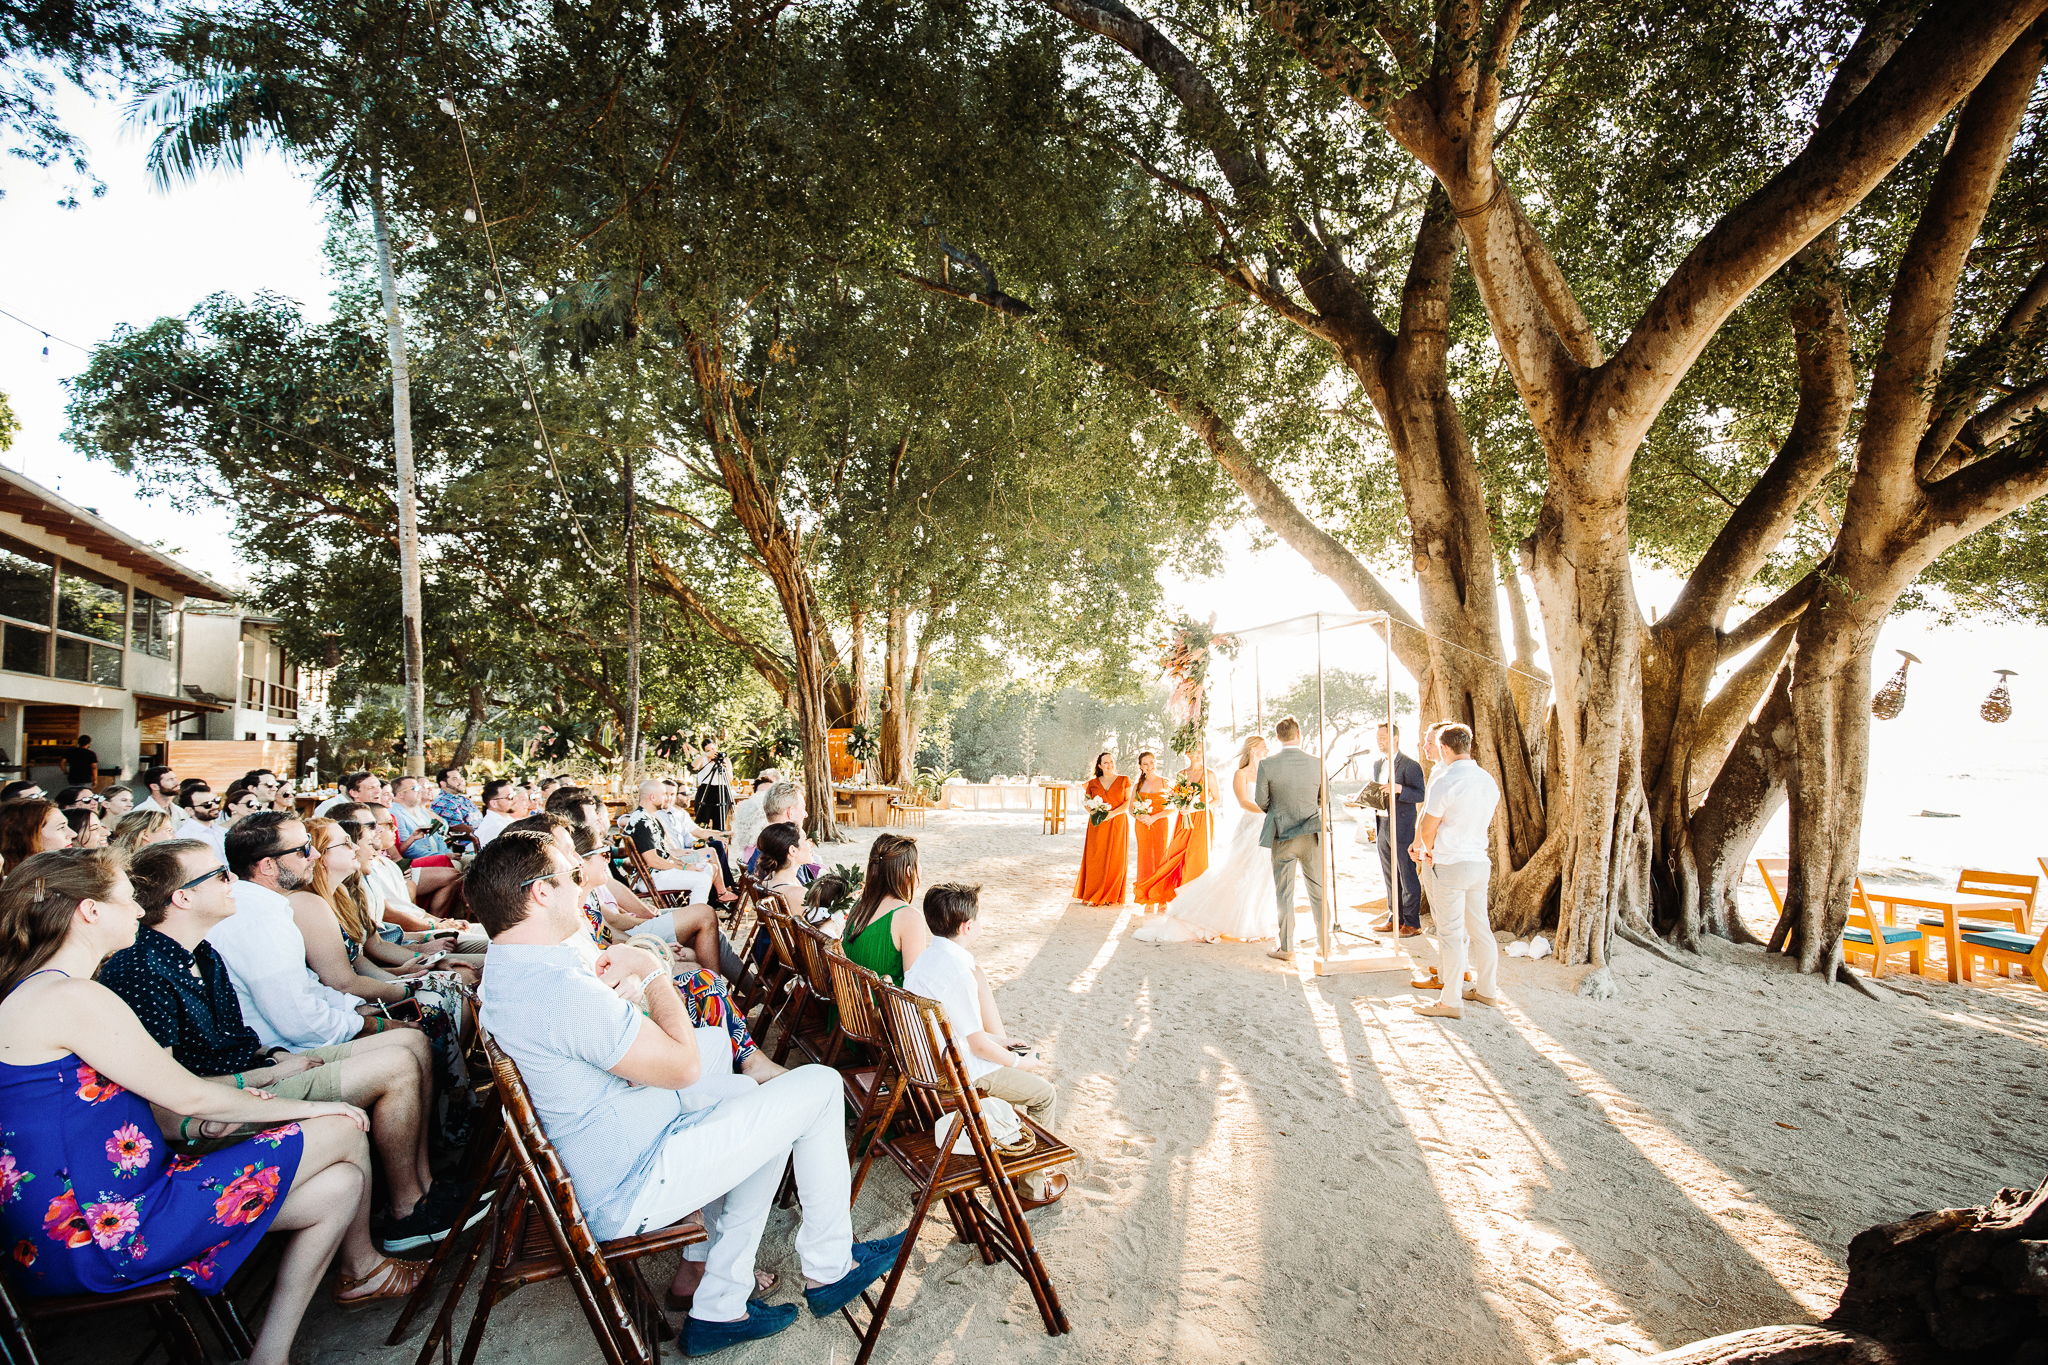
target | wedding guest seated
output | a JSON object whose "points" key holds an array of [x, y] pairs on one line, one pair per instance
{"points": [[645, 1135], [178, 987], [78, 797], [83, 1074], [651, 836], [281, 997], [115, 805], [356, 788], [31, 827], [451, 800], [693, 926], [399, 917], [748, 819], [21, 791], [783, 802], [499, 797], [784, 848], [684, 833], [997, 1064], [141, 827], [883, 934], [86, 829], [203, 822]]}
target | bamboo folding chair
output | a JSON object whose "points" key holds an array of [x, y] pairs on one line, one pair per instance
{"points": [[538, 1233], [869, 1089], [821, 1040], [624, 849], [934, 1081], [790, 995], [168, 1304]]}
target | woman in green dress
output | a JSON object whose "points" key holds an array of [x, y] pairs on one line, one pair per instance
{"points": [[877, 937]]}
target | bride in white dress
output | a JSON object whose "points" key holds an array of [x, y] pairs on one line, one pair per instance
{"points": [[1234, 899]]}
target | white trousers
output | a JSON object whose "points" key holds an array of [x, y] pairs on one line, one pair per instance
{"points": [[698, 884], [1457, 897], [729, 1164]]}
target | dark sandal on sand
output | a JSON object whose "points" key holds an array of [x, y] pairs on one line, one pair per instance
{"points": [[764, 1284], [405, 1277]]}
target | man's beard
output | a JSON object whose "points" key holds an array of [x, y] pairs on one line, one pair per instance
{"points": [[294, 881]]}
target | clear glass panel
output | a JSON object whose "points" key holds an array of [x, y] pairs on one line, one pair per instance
{"points": [[90, 604], [151, 624], [74, 658], [25, 650], [106, 665], [24, 582]]}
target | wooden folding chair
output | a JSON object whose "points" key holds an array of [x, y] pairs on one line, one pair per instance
{"points": [[538, 1232], [869, 1089], [628, 852], [168, 1304], [935, 1083]]}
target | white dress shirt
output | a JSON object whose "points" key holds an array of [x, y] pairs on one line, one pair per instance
{"points": [[1462, 796], [491, 826], [213, 833], [174, 810], [386, 885], [282, 999], [945, 972]]}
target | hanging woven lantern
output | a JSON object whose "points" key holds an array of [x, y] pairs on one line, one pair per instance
{"points": [[1891, 698], [1998, 706]]}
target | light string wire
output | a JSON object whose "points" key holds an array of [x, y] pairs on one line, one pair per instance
{"points": [[453, 110]]}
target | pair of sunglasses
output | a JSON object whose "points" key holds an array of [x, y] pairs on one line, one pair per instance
{"points": [[220, 872]]}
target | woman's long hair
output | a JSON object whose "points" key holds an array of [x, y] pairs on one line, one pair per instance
{"points": [[891, 875], [135, 826], [38, 899], [21, 831], [1244, 755], [344, 897], [1098, 762]]}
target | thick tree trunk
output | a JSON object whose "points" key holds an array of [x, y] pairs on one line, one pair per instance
{"points": [[781, 557], [899, 744], [1747, 792], [632, 749], [410, 605], [857, 666], [470, 720]]}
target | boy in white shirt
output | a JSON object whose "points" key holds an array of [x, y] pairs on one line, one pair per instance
{"points": [[996, 1065]]}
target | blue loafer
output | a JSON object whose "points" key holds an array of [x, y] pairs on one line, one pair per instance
{"points": [[871, 1261], [701, 1338]]}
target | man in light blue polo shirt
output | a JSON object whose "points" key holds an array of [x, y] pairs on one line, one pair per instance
{"points": [[609, 1084]]}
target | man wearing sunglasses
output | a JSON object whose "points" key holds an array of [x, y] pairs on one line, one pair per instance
{"points": [[281, 998], [203, 822], [180, 988]]}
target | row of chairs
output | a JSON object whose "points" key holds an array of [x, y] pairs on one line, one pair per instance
{"points": [[1868, 935], [902, 1072]]}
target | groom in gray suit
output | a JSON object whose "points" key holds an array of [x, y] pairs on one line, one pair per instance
{"points": [[1289, 790]]}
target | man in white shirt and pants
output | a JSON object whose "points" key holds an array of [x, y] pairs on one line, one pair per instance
{"points": [[1451, 841], [287, 1005]]}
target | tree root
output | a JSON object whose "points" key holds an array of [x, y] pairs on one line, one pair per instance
{"points": [[1652, 946], [1849, 978]]}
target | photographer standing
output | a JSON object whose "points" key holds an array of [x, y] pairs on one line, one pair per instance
{"points": [[713, 800]]}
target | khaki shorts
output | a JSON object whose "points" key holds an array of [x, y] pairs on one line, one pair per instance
{"points": [[321, 1084]]}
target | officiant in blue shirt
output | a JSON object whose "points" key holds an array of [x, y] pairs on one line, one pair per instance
{"points": [[1406, 795]]}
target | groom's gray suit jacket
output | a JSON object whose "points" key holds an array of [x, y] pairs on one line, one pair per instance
{"points": [[1288, 785]]}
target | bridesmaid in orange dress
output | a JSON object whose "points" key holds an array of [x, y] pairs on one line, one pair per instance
{"points": [[1106, 856], [1187, 857], [1148, 809]]}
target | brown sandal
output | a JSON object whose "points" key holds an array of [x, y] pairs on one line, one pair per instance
{"points": [[404, 1278], [764, 1285]]}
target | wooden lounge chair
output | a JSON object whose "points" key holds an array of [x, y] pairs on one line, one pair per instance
{"points": [[1864, 928]]}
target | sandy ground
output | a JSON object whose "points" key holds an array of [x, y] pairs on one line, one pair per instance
{"points": [[1276, 1165]]}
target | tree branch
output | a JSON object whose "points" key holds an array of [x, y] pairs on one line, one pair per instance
{"points": [[1788, 606]]}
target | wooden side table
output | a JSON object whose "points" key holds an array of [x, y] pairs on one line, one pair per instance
{"points": [[1055, 807]]}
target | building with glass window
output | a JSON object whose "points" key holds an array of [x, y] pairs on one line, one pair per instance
{"points": [[90, 643]]}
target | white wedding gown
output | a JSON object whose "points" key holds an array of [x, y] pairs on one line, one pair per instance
{"points": [[1234, 899]]}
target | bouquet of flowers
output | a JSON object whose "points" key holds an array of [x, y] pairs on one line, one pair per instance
{"points": [[1187, 796], [1098, 810]]}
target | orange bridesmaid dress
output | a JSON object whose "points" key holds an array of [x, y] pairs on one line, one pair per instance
{"points": [[1186, 858], [1106, 856], [1149, 835]]}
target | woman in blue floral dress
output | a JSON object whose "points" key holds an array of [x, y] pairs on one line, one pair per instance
{"points": [[92, 1200]]}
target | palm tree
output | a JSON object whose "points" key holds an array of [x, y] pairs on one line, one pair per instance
{"points": [[309, 82]]}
